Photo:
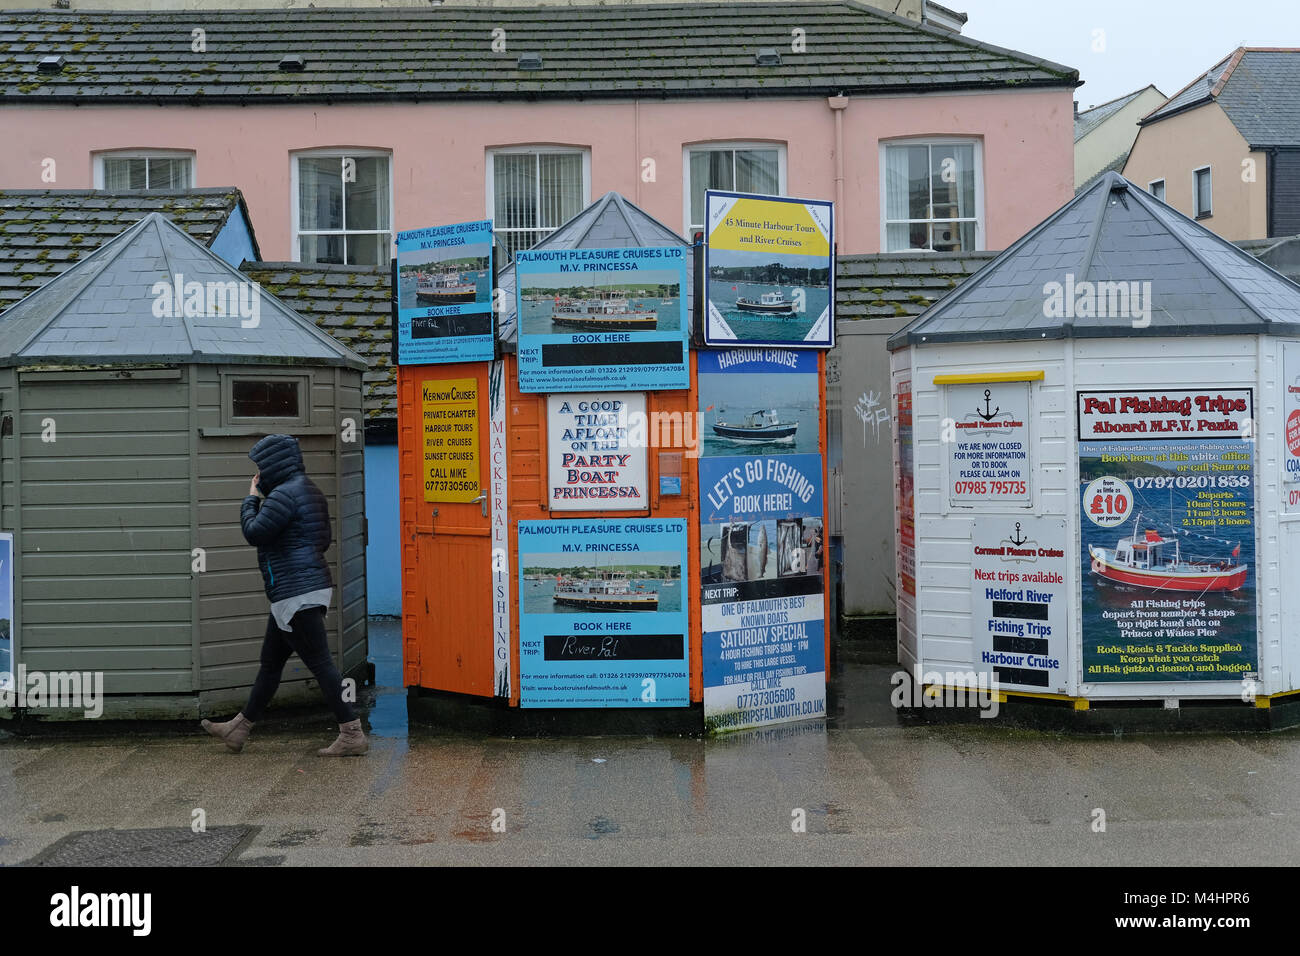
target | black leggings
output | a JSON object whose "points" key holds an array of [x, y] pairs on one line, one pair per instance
{"points": [[308, 640]]}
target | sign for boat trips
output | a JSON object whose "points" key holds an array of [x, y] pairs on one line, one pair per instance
{"points": [[449, 417], [444, 294], [758, 399], [1291, 424], [1167, 504], [499, 466], [611, 319], [6, 610], [905, 503], [1018, 602], [762, 590], [989, 446], [602, 622], [593, 466], [771, 280]]}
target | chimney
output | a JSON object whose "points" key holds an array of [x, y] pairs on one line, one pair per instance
{"points": [[1076, 107]]}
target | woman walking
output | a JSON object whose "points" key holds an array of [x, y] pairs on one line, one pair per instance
{"points": [[287, 519]]}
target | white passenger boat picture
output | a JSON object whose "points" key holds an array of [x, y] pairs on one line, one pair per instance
{"points": [[759, 427], [768, 303], [446, 289], [609, 591], [609, 311]]}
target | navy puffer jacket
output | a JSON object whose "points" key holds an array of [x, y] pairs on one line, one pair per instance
{"points": [[291, 528]]}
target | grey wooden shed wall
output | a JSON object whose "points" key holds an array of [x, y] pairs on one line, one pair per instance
{"points": [[104, 526]]}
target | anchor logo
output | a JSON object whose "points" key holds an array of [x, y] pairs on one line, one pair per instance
{"points": [[1018, 539], [986, 414]]}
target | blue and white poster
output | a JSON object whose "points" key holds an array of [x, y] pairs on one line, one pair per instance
{"points": [[602, 620], [6, 610], [602, 319], [762, 590], [758, 400], [444, 294]]}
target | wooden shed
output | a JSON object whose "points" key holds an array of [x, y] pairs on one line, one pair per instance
{"points": [[131, 389]]}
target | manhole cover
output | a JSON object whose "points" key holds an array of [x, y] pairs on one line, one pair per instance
{"points": [[164, 846]]}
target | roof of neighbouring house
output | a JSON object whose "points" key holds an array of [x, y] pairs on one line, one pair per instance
{"points": [[1259, 90], [115, 306], [351, 303], [610, 222], [1116, 165], [618, 50], [45, 231], [1088, 120], [899, 284], [1200, 284]]}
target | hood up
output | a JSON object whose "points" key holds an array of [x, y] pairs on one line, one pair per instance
{"points": [[277, 457]]}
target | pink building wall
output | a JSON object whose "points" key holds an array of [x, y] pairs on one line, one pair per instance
{"points": [[439, 150]]}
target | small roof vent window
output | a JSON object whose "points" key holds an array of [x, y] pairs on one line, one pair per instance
{"points": [[51, 64], [530, 61], [293, 63], [767, 57]]}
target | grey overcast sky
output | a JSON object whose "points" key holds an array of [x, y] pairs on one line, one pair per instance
{"points": [[1165, 42]]}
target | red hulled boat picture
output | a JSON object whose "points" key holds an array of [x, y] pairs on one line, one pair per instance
{"points": [[1149, 560]]}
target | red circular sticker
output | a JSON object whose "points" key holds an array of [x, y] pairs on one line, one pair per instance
{"points": [[1293, 432]]}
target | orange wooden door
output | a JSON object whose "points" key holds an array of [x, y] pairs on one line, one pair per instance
{"points": [[451, 575]]}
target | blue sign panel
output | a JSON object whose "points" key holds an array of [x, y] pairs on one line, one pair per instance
{"points": [[602, 319], [762, 590], [602, 620], [444, 294]]}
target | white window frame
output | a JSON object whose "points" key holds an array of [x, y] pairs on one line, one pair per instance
{"points": [[1197, 212], [1164, 188], [338, 152], [533, 149], [687, 148], [979, 218], [98, 157]]}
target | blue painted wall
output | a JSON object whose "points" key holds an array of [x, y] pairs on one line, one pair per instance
{"points": [[383, 553], [234, 243]]}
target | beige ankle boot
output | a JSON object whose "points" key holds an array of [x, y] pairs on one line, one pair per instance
{"points": [[233, 732], [351, 742]]}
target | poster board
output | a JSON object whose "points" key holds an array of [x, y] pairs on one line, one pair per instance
{"points": [[769, 268], [592, 461], [1167, 505], [444, 294], [449, 422], [762, 589], [602, 617], [607, 319]]}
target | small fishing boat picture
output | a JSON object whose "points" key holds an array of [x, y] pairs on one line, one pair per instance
{"points": [[610, 591], [759, 427], [608, 312], [1150, 560], [769, 303], [447, 289]]}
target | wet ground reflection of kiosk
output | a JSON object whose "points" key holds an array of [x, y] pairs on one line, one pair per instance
{"points": [[1097, 452]]}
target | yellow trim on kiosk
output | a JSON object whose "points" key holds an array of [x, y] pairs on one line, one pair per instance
{"points": [[970, 378]]}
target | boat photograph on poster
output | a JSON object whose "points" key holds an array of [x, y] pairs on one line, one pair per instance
{"points": [[555, 584], [768, 296], [554, 304], [451, 275], [758, 400]]}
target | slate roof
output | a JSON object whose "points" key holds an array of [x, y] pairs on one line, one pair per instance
{"points": [[351, 303], [102, 311], [1116, 165], [44, 231], [1201, 284], [445, 52], [609, 222], [1088, 120], [1259, 90], [897, 284]]}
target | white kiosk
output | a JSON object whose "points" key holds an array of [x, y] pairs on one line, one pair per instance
{"points": [[1097, 461]]}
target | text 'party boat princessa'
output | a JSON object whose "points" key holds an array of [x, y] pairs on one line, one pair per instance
{"points": [[1144, 561], [611, 591], [608, 312]]}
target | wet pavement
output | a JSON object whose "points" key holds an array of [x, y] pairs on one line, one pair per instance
{"points": [[868, 788]]}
